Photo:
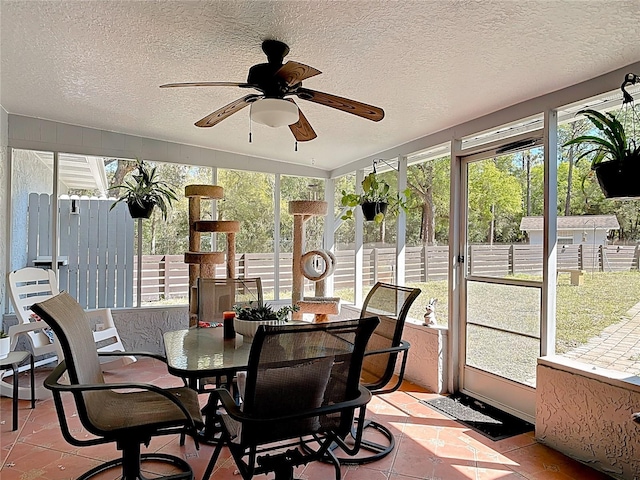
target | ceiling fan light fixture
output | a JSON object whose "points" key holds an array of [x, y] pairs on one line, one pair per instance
{"points": [[274, 112]]}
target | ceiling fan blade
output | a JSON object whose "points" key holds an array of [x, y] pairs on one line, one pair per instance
{"points": [[207, 84], [302, 129], [294, 72], [346, 105], [224, 112]]}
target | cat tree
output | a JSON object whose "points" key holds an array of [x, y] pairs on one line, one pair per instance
{"points": [[306, 265], [203, 264]]}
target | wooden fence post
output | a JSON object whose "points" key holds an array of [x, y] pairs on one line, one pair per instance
{"points": [[600, 260], [425, 264], [241, 266], [511, 262], [581, 257], [166, 277], [376, 260]]}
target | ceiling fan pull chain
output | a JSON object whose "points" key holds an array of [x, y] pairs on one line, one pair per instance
{"points": [[296, 149], [250, 124]]}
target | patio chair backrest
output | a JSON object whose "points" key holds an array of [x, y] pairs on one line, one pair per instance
{"points": [[70, 324], [298, 368], [390, 303], [26, 287], [217, 295], [126, 413], [30, 285]]}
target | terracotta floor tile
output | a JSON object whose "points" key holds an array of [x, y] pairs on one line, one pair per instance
{"points": [[535, 459], [429, 445], [365, 473], [500, 473]]}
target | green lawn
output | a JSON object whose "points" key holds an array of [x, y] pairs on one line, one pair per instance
{"points": [[582, 311]]}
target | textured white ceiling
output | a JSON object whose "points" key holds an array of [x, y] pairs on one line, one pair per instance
{"points": [[429, 64]]}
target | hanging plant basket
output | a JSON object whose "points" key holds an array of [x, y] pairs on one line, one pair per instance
{"points": [[371, 209], [616, 150], [144, 191], [138, 210], [619, 179]]}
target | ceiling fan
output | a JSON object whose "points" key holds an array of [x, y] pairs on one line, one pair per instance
{"points": [[276, 82]]}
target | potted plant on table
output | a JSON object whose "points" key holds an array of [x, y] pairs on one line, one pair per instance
{"points": [[145, 192], [616, 158], [375, 200], [250, 317]]}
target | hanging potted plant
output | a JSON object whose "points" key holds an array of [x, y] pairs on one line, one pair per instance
{"points": [[145, 192], [616, 155], [375, 200]]}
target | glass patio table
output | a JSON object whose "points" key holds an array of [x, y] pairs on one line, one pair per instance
{"points": [[197, 353]]}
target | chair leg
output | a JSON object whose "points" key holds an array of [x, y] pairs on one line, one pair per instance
{"points": [[131, 461], [378, 450], [348, 457], [213, 460], [131, 464]]}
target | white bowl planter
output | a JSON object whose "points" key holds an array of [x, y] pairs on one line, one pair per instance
{"points": [[248, 328]]}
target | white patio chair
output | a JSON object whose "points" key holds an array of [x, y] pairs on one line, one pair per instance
{"points": [[30, 285]]}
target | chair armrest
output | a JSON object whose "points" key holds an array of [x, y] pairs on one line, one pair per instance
{"points": [[364, 396], [103, 315], [403, 349], [17, 330], [51, 383]]}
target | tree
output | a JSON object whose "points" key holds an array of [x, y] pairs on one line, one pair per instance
{"points": [[300, 188], [429, 184], [571, 154], [493, 194], [122, 168], [248, 198]]}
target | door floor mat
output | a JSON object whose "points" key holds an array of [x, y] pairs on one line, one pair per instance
{"points": [[485, 419]]}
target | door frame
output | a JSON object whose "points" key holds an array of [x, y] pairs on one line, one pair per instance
{"points": [[479, 384]]}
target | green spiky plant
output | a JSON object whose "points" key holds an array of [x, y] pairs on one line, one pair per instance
{"points": [[614, 145], [263, 312], [374, 190], [145, 189]]}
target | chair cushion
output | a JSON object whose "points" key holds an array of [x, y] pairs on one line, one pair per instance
{"points": [[293, 388], [140, 410]]}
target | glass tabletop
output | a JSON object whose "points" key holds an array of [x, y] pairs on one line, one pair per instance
{"points": [[203, 352]]}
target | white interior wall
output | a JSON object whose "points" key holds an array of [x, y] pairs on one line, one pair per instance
{"points": [[30, 133]]}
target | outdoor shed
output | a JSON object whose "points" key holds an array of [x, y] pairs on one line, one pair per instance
{"points": [[592, 229]]}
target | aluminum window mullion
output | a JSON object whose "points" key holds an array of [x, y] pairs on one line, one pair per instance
{"points": [[276, 236], [358, 246], [550, 233], [329, 227], [54, 214], [401, 225]]}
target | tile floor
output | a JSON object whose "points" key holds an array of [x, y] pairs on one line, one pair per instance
{"points": [[429, 445]]}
